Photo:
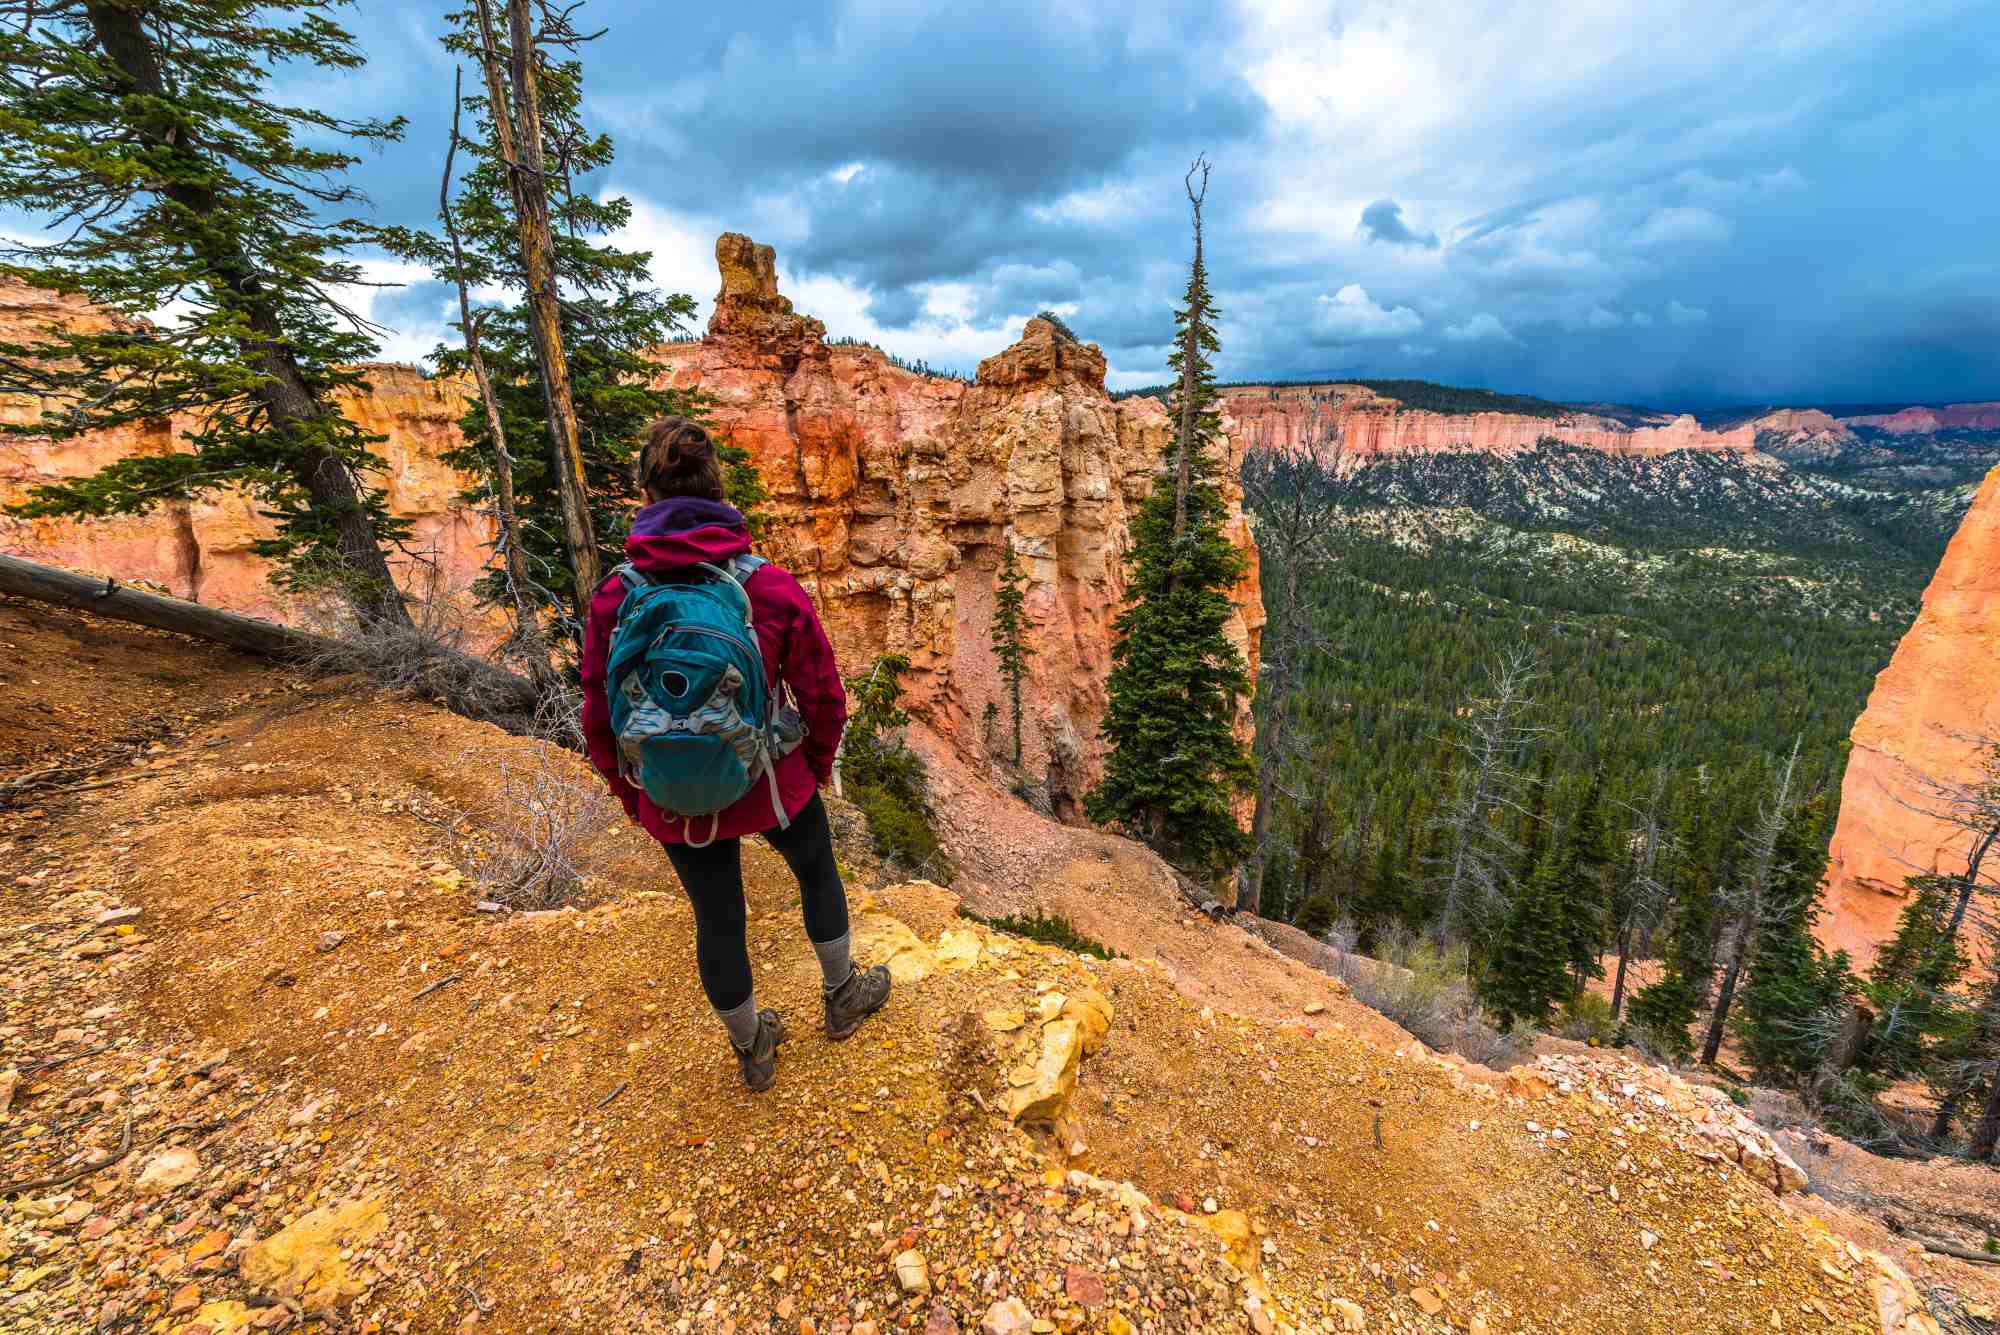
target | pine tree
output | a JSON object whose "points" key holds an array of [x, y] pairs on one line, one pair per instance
{"points": [[1175, 760], [1586, 863], [611, 319], [1666, 1009], [1913, 983], [1009, 624], [141, 132], [1527, 973], [1796, 993]]}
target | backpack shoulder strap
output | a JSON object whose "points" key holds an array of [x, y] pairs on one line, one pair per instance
{"points": [[746, 565], [631, 576]]}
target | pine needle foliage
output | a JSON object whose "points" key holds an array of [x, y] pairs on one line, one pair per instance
{"points": [[885, 778], [612, 317], [142, 133], [1010, 622], [1527, 972], [1795, 986], [1175, 761]]}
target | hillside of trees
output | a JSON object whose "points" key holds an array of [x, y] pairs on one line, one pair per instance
{"points": [[1564, 707]]}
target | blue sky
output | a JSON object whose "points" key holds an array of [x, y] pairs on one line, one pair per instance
{"points": [[1706, 203]]}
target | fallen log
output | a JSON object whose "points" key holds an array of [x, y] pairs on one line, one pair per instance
{"points": [[465, 684]]}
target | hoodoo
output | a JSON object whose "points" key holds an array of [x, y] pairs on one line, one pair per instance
{"points": [[893, 493]]}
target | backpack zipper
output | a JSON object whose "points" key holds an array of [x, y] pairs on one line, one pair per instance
{"points": [[704, 630]]}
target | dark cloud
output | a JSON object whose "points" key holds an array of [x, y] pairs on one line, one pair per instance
{"points": [[896, 307], [1383, 221], [1623, 229]]}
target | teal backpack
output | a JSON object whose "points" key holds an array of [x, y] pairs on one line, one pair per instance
{"points": [[697, 723]]}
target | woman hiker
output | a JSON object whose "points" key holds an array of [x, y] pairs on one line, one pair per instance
{"points": [[683, 526]]}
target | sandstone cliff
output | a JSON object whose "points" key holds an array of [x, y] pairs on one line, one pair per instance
{"points": [[1929, 421], [1940, 690], [893, 492], [203, 550], [892, 495], [1366, 423]]}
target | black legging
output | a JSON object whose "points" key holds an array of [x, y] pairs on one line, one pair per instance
{"points": [[713, 879]]}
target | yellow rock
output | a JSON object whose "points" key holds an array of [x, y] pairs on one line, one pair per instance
{"points": [[884, 940], [1003, 1021], [1051, 1005], [1041, 1099], [224, 1318], [1092, 1014], [957, 949], [302, 1261], [1233, 1227]]}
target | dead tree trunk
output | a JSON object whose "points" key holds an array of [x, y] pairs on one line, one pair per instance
{"points": [[1618, 983], [527, 626], [1190, 358], [468, 685], [1987, 1133], [517, 130]]}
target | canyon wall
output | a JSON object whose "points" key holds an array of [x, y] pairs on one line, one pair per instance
{"points": [[892, 494], [203, 549], [1930, 421], [1940, 691], [1358, 422]]}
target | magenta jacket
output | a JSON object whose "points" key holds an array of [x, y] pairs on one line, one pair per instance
{"points": [[671, 535]]}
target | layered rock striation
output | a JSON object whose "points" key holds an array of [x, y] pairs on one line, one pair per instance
{"points": [[205, 549], [1924, 724], [1358, 422], [893, 494]]}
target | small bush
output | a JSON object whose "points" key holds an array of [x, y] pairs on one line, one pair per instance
{"points": [[1586, 1018], [548, 811], [1061, 327], [1317, 915], [431, 658], [1737, 1095], [885, 778], [1049, 929], [1426, 991]]}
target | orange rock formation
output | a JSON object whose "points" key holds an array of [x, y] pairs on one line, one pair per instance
{"points": [[203, 550], [1940, 691], [893, 492], [1365, 423]]}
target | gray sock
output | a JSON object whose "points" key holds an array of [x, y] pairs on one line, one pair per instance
{"points": [[741, 1023], [834, 963]]}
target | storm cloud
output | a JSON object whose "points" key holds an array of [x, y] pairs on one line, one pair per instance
{"points": [[1383, 221], [1766, 200]]}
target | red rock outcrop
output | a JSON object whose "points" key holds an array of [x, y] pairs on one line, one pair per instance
{"points": [[892, 495], [1365, 423], [1929, 421], [203, 550], [1940, 691], [893, 492]]}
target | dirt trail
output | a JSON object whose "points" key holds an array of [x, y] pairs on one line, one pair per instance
{"points": [[530, 1123]]}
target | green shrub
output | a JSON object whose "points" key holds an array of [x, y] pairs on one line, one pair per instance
{"points": [[1586, 1018], [886, 780], [1049, 929], [1317, 915]]}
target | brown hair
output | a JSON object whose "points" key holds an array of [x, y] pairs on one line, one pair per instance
{"points": [[679, 459]]}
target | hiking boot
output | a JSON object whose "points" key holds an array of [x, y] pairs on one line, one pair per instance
{"points": [[760, 1060], [855, 1000]]}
